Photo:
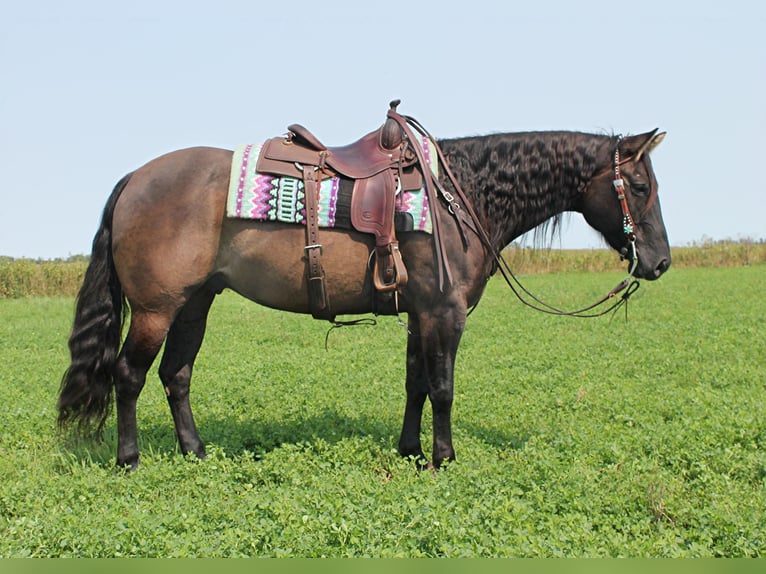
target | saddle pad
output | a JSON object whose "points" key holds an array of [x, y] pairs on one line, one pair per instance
{"points": [[264, 197]]}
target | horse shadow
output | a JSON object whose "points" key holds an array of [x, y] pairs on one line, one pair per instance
{"points": [[255, 438], [259, 437]]}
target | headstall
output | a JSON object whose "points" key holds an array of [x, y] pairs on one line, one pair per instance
{"points": [[628, 226]]}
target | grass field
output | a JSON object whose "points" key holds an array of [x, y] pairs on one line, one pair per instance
{"points": [[573, 437]]}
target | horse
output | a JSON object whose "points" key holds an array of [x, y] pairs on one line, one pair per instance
{"points": [[165, 248]]}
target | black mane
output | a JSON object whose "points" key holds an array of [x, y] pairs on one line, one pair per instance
{"points": [[519, 181]]}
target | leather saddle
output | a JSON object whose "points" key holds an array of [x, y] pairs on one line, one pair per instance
{"points": [[380, 163]]}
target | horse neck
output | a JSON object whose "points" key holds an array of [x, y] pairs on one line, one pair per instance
{"points": [[519, 181]]}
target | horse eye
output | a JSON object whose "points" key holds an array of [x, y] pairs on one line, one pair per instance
{"points": [[640, 188]]}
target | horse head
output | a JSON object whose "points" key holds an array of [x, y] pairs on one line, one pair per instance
{"points": [[621, 203]]}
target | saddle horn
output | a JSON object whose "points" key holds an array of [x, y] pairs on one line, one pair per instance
{"points": [[391, 132]]}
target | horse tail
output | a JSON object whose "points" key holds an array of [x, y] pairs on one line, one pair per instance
{"points": [[85, 396]]}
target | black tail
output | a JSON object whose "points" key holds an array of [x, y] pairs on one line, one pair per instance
{"points": [[85, 397]]}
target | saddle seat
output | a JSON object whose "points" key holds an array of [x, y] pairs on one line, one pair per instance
{"points": [[371, 154]]}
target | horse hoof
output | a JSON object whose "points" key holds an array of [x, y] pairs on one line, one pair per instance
{"points": [[128, 466]]}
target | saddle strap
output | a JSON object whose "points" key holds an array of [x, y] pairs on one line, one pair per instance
{"points": [[470, 220], [443, 269], [318, 300]]}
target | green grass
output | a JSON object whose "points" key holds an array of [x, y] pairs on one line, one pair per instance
{"points": [[574, 437]]}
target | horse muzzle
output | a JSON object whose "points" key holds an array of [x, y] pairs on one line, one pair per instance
{"points": [[651, 268]]}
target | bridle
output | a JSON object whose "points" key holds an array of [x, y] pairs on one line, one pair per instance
{"points": [[628, 226]]}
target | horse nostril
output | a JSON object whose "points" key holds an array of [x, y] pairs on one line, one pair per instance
{"points": [[661, 268]]}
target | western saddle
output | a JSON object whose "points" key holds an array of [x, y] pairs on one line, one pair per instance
{"points": [[380, 164]]}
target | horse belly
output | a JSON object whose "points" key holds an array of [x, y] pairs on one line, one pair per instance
{"points": [[266, 262]]}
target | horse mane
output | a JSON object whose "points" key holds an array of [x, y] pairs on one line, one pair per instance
{"points": [[526, 180]]}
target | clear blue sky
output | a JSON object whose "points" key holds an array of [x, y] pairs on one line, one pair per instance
{"points": [[90, 90]]}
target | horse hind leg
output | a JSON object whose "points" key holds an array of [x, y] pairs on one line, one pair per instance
{"points": [[181, 347], [145, 336]]}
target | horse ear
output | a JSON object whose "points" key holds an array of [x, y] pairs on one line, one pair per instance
{"points": [[650, 141]]}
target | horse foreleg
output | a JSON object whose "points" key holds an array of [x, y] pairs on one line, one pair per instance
{"points": [[440, 337], [431, 351], [147, 331], [181, 347], [417, 390]]}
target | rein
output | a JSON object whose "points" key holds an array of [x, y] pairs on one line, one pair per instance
{"points": [[587, 312]]}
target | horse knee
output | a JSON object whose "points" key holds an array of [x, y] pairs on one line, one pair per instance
{"points": [[441, 397], [176, 382]]}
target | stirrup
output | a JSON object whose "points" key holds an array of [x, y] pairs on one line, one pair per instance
{"points": [[399, 271]]}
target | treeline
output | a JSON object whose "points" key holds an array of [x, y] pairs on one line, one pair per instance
{"points": [[63, 277], [41, 278], [706, 253]]}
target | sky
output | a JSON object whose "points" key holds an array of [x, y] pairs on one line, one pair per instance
{"points": [[90, 90]]}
